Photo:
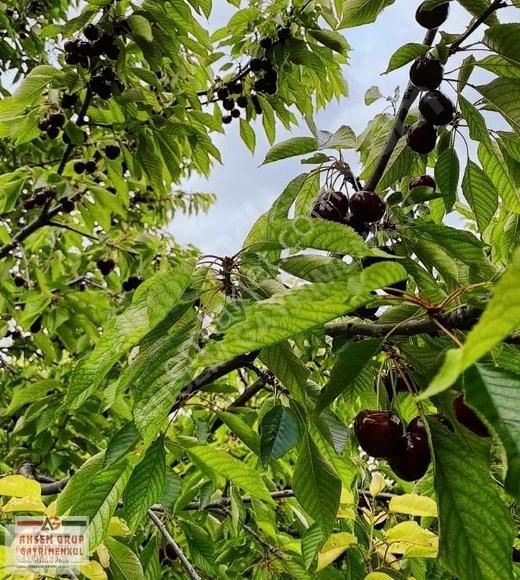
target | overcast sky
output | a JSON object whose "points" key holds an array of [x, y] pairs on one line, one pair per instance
{"points": [[245, 189]]}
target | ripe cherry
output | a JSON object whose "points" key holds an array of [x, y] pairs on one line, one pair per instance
{"points": [[235, 113], [222, 93], [67, 204], [235, 87], [416, 425], [242, 101], [69, 100], [434, 17], [132, 283], [90, 167], [331, 205], [412, 462], [266, 43], [36, 326], [226, 119], [57, 119], [19, 282], [256, 104], [422, 181], [362, 228], [108, 73], [228, 104], [53, 131], [422, 137], [71, 46], [105, 266], [255, 64], [112, 151], [379, 433], [284, 34], [91, 32], [427, 73], [44, 124], [79, 167], [367, 206], [437, 108], [468, 417]]}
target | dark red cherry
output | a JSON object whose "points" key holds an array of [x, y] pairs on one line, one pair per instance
{"points": [[427, 73], [242, 101], [105, 266], [266, 43], [469, 418], [112, 151], [434, 17], [437, 108], [53, 131], [69, 100], [422, 137], [379, 433], [367, 206], [422, 181], [228, 103], [91, 32], [331, 205], [235, 113], [412, 463], [226, 119], [360, 227], [416, 425]]}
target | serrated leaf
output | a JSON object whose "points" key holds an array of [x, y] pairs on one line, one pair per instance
{"points": [[502, 95], [503, 39], [471, 548], [446, 172], [343, 138], [477, 8], [349, 364], [500, 318], [146, 484], [286, 367], [297, 310], [240, 428], [151, 302], [30, 91], [405, 54], [290, 148], [312, 540], [121, 443], [332, 39], [124, 562], [495, 394], [358, 12], [214, 461], [480, 193], [99, 498], [316, 487], [496, 169], [279, 433], [248, 135]]}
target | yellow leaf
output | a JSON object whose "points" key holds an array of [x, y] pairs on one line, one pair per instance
{"points": [[378, 576], [346, 496], [334, 547], [93, 570], [346, 513], [25, 504], [377, 485], [19, 486], [413, 505], [409, 539], [118, 527]]}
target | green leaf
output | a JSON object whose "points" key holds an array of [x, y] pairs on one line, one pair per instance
{"points": [[343, 138], [447, 170], [121, 443], [298, 310], [495, 167], [502, 95], [480, 193], [476, 531], [316, 487], [79, 482], [477, 8], [146, 484], [495, 394], [215, 462], [349, 364], [503, 39], [30, 91], [140, 26], [286, 367], [405, 54], [500, 318], [98, 499], [372, 95], [248, 135], [290, 148], [358, 12], [476, 122], [238, 426], [124, 563], [152, 302], [279, 433], [332, 39]]}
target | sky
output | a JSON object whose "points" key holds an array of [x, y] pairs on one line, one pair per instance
{"points": [[244, 187]]}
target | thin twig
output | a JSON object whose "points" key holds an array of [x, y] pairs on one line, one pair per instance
{"points": [[187, 565]]}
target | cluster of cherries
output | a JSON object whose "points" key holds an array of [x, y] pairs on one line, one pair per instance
{"points": [[266, 80], [381, 434], [426, 74], [96, 43], [52, 124], [359, 211]]}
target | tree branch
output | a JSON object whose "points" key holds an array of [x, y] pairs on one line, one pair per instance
{"points": [[187, 565], [407, 101], [48, 485], [493, 7]]}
